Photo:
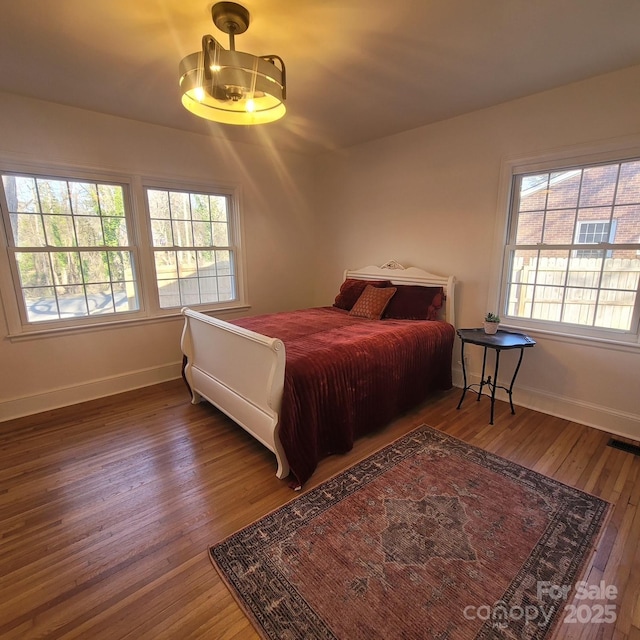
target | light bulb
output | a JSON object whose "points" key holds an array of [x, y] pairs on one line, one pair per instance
{"points": [[251, 107], [198, 92]]}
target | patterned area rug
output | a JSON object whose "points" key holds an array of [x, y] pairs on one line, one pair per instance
{"points": [[427, 538]]}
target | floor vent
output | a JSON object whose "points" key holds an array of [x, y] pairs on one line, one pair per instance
{"points": [[624, 446]]}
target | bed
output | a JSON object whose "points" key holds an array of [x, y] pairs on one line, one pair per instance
{"points": [[308, 383]]}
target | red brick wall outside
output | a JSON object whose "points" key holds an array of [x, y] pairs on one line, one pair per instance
{"points": [[563, 205]]}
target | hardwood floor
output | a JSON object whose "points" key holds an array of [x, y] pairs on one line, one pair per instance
{"points": [[108, 508]]}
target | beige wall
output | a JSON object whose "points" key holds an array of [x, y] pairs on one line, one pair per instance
{"points": [[278, 231], [430, 198]]}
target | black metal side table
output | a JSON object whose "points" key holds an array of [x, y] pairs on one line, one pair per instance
{"points": [[498, 341]]}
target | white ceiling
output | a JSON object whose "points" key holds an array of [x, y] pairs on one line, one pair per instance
{"points": [[357, 69]]}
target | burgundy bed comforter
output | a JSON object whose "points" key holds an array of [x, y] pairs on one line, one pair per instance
{"points": [[346, 376]]}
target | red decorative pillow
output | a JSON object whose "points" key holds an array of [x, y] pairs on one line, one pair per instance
{"points": [[372, 302], [413, 302], [352, 289]]}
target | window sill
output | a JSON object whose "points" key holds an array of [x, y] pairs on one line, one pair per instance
{"points": [[49, 332], [570, 338]]}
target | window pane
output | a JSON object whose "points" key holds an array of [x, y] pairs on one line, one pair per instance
{"points": [[111, 199], [520, 300], [84, 198], [209, 290], [202, 234], [552, 268], [533, 192], [626, 224], [580, 306], [115, 232], [41, 304], [629, 185], [21, 194], [60, 231], [226, 288], [558, 226], [189, 291], [224, 264], [125, 296], [95, 266], [179, 205], [620, 272], [121, 266], [158, 202], [100, 298], [187, 265], [34, 269], [200, 207], [71, 301], [182, 233], [89, 231], [585, 271], [219, 208], [54, 196], [169, 294], [27, 230], [547, 303], [206, 263], [162, 233], [615, 309], [166, 265], [564, 187], [598, 185], [66, 268], [220, 234], [530, 225]]}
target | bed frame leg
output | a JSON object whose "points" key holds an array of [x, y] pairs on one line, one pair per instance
{"points": [[283, 468], [196, 398], [283, 465]]}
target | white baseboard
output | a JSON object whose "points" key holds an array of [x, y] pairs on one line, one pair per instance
{"points": [[65, 396], [592, 415], [606, 419]]}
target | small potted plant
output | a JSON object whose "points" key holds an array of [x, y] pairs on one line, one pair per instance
{"points": [[491, 322]]}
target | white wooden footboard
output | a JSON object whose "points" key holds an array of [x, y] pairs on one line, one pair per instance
{"points": [[240, 372]]}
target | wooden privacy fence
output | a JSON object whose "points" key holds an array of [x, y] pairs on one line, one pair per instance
{"points": [[586, 291]]}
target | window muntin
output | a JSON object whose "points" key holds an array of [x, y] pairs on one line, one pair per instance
{"points": [[70, 247], [194, 253], [553, 273]]}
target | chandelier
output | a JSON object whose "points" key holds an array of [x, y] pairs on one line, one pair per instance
{"points": [[229, 86]]}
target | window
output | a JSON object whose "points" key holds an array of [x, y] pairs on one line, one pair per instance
{"points": [[571, 257], [193, 255], [71, 248], [74, 251], [595, 232]]}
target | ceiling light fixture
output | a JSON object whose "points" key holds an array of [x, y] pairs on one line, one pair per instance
{"points": [[230, 86]]}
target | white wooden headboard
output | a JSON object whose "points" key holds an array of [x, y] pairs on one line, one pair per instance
{"points": [[398, 274]]}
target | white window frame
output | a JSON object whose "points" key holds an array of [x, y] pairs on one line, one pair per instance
{"points": [[139, 230], [561, 159]]}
